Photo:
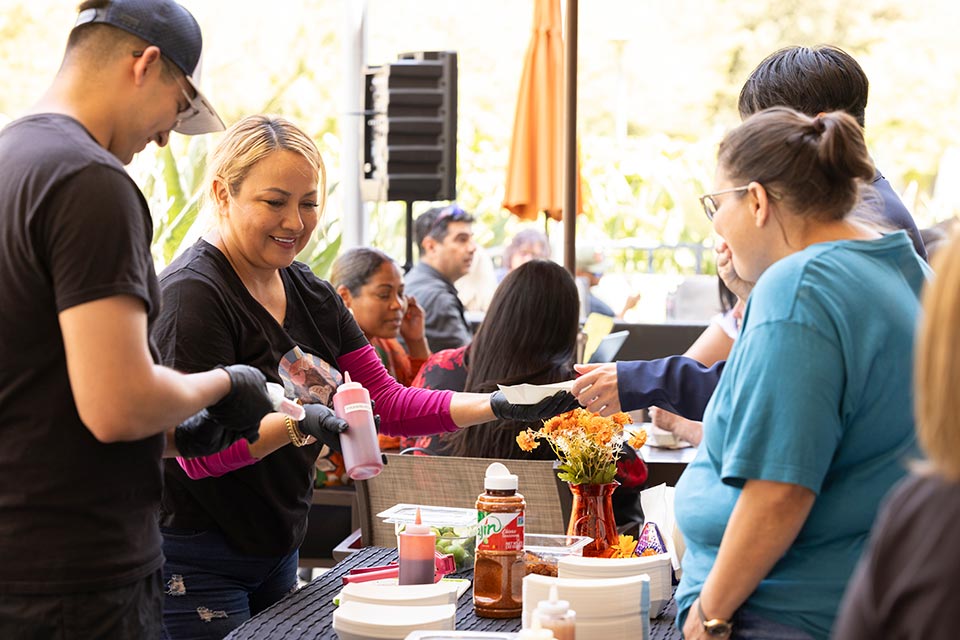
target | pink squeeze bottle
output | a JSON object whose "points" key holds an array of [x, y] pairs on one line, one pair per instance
{"points": [[361, 449]]}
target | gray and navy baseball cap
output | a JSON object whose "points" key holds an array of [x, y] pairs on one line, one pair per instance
{"points": [[168, 26]]}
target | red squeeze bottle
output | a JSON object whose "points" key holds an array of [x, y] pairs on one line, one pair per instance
{"points": [[359, 444], [417, 561]]}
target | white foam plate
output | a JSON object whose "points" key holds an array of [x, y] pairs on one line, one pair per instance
{"points": [[657, 567], [360, 620], [533, 393], [592, 599], [663, 439], [391, 593]]}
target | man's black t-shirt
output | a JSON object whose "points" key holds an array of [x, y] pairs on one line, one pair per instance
{"points": [[209, 318], [75, 514]]}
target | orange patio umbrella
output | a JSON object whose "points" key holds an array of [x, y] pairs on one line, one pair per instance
{"points": [[535, 169]]}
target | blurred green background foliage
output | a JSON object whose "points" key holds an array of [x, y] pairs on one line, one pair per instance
{"points": [[658, 83]]}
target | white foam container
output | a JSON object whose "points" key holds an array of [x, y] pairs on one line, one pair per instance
{"points": [[400, 595], [607, 608], [657, 567], [364, 621], [460, 635]]}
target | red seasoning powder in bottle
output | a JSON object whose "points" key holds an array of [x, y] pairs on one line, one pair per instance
{"points": [[499, 570]]}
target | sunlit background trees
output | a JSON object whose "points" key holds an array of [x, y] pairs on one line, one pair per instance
{"points": [[658, 83]]}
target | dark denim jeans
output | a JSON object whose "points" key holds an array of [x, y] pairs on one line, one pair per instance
{"points": [[750, 626], [211, 589], [131, 611]]}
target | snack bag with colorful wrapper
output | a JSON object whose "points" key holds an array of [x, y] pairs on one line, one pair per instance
{"points": [[651, 541], [308, 379]]}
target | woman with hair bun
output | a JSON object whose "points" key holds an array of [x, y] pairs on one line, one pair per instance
{"points": [[811, 423]]}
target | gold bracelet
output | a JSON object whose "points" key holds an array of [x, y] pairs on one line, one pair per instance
{"points": [[296, 437]]}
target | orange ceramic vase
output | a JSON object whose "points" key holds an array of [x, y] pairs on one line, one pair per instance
{"points": [[592, 515]]}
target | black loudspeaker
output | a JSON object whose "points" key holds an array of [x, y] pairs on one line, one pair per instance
{"points": [[410, 132]]}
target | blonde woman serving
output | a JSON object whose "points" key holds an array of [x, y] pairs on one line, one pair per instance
{"points": [[233, 522]]}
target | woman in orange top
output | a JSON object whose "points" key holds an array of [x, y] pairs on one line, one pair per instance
{"points": [[371, 286]]}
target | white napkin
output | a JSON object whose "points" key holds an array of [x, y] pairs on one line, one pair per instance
{"points": [[657, 503]]}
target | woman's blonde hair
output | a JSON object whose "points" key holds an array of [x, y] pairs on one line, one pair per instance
{"points": [[937, 371], [251, 140]]}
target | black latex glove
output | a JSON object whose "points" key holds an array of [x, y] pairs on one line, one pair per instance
{"points": [[323, 424], [376, 416], [558, 403], [200, 435], [248, 401]]}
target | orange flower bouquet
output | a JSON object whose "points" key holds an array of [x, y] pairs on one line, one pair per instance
{"points": [[586, 444]]}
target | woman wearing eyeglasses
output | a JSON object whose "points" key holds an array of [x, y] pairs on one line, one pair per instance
{"points": [[232, 523], [811, 422]]}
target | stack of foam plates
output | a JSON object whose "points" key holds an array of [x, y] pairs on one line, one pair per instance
{"points": [[365, 621], [400, 595], [607, 609], [658, 567]]}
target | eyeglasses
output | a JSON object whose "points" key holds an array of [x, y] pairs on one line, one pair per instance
{"points": [[710, 205], [193, 104], [452, 213], [189, 111], [709, 202]]}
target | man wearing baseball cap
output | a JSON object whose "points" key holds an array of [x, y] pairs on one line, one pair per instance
{"points": [[83, 406]]}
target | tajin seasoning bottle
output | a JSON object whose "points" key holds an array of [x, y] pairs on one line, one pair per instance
{"points": [[498, 572]]}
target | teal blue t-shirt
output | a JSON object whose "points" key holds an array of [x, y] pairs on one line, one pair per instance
{"points": [[817, 392]]}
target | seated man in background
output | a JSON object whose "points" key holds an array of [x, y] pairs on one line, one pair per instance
{"points": [[445, 238]]}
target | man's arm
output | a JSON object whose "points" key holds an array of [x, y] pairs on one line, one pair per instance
{"points": [[120, 394], [678, 384]]}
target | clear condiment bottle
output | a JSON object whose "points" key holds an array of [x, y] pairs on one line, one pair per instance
{"points": [[498, 571], [556, 615], [359, 443], [417, 543], [535, 632]]}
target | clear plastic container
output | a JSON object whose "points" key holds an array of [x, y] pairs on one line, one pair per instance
{"points": [[456, 529], [542, 552]]}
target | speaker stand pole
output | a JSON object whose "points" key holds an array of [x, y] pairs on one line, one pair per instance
{"points": [[408, 204]]}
